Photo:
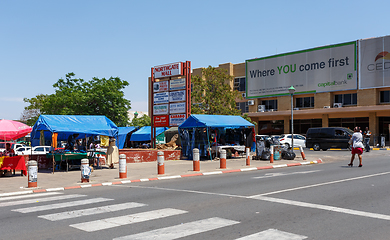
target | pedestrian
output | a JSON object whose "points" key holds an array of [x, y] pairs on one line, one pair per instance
{"points": [[367, 135], [357, 146]]}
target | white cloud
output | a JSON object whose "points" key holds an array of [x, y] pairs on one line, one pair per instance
{"points": [[11, 99]]}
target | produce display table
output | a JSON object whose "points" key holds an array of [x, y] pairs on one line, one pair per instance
{"points": [[13, 163], [71, 159]]}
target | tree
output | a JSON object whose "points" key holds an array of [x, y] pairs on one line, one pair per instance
{"points": [[141, 121], [75, 96], [213, 94]]}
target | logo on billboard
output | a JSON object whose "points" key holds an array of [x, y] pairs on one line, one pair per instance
{"points": [[380, 65], [384, 55]]}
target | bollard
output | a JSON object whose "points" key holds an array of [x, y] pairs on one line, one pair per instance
{"points": [[248, 160], [222, 160], [160, 163], [85, 170], [302, 153], [32, 173], [122, 166], [196, 163], [271, 158]]}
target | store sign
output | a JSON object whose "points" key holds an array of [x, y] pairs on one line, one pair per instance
{"points": [[161, 121], [177, 96], [160, 86], [177, 84], [176, 119], [322, 69], [160, 109], [160, 98], [177, 107], [168, 70], [374, 62]]}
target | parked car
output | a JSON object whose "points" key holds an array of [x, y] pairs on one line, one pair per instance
{"points": [[41, 150], [328, 137], [299, 140], [23, 151], [15, 146]]}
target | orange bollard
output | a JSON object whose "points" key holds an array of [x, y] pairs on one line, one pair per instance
{"points": [[302, 153], [222, 160], [196, 163], [248, 160], [271, 158], [160, 163], [32, 174], [122, 166]]}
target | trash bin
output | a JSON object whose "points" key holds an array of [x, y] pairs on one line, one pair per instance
{"points": [[260, 147], [383, 140]]}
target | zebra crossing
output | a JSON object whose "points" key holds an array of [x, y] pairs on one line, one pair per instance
{"points": [[102, 223]]}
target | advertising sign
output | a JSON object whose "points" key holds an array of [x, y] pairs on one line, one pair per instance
{"points": [[374, 62], [177, 84], [322, 69], [177, 96], [177, 107], [176, 119], [160, 86], [160, 109], [161, 98], [168, 70], [161, 121]]}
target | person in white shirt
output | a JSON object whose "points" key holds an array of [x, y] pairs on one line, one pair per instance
{"points": [[357, 146]]}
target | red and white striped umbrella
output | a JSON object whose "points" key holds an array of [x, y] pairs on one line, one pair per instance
{"points": [[12, 130]]}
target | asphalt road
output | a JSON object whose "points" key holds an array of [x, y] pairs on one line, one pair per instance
{"points": [[321, 201]]}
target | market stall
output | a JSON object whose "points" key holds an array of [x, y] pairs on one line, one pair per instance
{"points": [[212, 133], [141, 138], [124, 135]]}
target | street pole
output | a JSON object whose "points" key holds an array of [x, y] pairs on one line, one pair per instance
{"points": [[291, 91]]}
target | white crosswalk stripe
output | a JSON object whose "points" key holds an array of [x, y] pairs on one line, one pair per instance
{"points": [[91, 211], [29, 196], [182, 230], [61, 205], [125, 220], [34, 200], [273, 234]]}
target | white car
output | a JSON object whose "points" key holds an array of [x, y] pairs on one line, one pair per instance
{"points": [[299, 140], [37, 150], [23, 150]]}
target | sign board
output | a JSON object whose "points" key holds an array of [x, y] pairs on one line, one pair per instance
{"points": [[160, 86], [160, 98], [168, 70], [176, 119], [160, 109], [177, 84], [177, 96], [322, 69], [177, 107], [374, 62], [161, 121]]}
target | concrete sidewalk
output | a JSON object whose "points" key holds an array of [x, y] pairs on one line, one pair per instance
{"points": [[136, 172]]}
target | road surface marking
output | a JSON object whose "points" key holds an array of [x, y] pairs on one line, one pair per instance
{"points": [[61, 205], [273, 234], [29, 196], [91, 211], [268, 175], [182, 230], [125, 220], [35, 200]]}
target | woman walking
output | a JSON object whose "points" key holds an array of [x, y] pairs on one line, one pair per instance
{"points": [[357, 146]]}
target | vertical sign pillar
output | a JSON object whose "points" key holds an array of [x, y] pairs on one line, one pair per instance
{"points": [[32, 174]]}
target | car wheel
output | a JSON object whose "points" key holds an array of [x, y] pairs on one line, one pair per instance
{"points": [[316, 147], [324, 149], [287, 145]]}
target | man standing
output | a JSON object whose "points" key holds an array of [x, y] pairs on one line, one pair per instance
{"points": [[367, 135]]}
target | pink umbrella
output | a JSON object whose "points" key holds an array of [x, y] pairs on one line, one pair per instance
{"points": [[12, 130]]}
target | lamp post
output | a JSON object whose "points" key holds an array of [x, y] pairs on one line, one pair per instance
{"points": [[291, 90]]}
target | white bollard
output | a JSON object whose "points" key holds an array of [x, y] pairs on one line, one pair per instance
{"points": [[160, 163], [85, 170], [32, 173], [122, 166], [196, 163]]}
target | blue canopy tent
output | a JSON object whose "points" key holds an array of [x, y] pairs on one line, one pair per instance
{"points": [[196, 131], [122, 134], [143, 134], [66, 125]]}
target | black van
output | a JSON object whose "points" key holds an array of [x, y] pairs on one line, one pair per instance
{"points": [[328, 137]]}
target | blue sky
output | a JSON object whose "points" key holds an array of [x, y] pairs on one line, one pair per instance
{"points": [[42, 40]]}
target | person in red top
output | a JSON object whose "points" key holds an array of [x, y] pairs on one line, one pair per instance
{"points": [[8, 150]]}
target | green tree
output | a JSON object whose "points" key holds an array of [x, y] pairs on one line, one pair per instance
{"points": [[141, 121], [213, 94], [74, 96]]}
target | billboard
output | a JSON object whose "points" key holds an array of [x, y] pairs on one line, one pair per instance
{"points": [[160, 109], [160, 86], [161, 121], [374, 68], [176, 119], [162, 97], [177, 96], [177, 107], [177, 84], [168, 70], [322, 69]]}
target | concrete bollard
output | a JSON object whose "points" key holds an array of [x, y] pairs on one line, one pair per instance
{"points": [[302, 153], [271, 158], [196, 163], [160, 163], [247, 155], [32, 174], [122, 166], [222, 160], [85, 170]]}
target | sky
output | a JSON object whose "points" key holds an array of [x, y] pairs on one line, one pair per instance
{"points": [[43, 40]]}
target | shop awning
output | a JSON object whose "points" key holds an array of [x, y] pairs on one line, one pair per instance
{"points": [[122, 134], [143, 134], [216, 121]]}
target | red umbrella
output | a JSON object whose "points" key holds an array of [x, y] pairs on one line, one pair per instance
{"points": [[12, 130]]}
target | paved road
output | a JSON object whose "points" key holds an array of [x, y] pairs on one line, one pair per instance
{"points": [[321, 201]]}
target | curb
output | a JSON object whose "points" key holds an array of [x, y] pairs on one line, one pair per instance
{"points": [[159, 178]]}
